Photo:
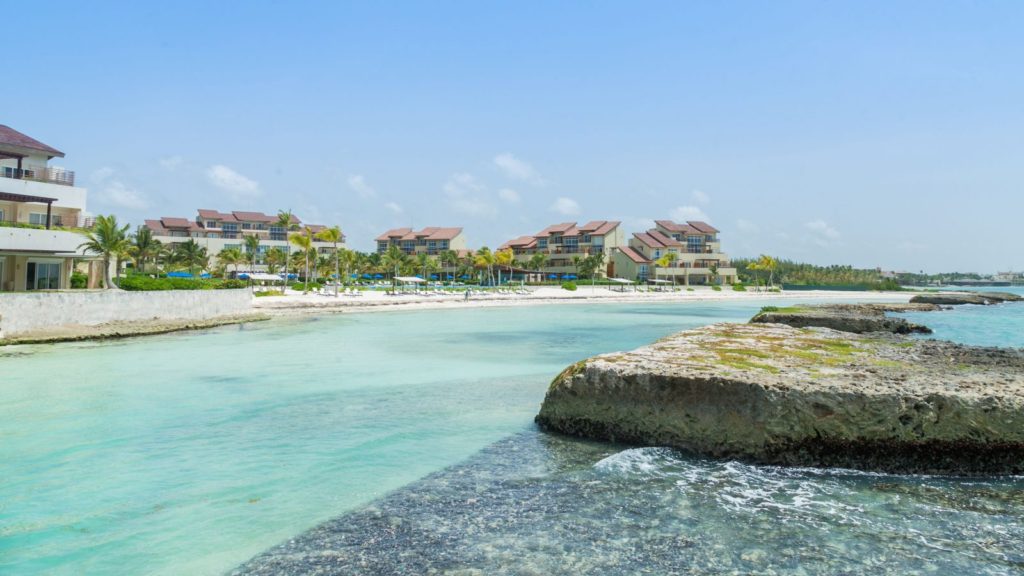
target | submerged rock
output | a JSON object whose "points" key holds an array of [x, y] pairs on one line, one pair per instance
{"points": [[776, 394], [856, 318]]}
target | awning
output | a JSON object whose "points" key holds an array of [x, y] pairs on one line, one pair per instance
{"points": [[621, 280], [415, 279], [264, 277], [656, 281]]}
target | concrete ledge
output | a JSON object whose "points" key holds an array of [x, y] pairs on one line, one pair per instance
{"points": [[35, 313]]}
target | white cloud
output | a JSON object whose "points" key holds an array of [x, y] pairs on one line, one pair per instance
{"points": [[700, 197], [235, 184], [466, 195], [517, 169], [509, 195], [171, 163], [566, 206], [102, 174], [684, 213], [747, 226], [116, 193], [394, 207], [358, 185], [823, 229]]}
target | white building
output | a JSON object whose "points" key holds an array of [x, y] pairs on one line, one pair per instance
{"points": [[217, 231], [40, 207]]}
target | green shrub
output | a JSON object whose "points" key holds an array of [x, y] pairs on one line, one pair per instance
{"points": [[739, 287], [689, 289], [267, 293], [79, 280], [570, 286], [716, 288], [774, 289], [769, 309], [300, 286], [141, 283]]}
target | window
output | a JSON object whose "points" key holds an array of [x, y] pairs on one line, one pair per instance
{"points": [[598, 241], [1, 215], [694, 244], [37, 218], [542, 243], [246, 226], [42, 276], [586, 238], [232, 227], [571, 243]]}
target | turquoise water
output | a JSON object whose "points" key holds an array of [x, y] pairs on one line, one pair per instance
{"points": [[193, 452], [189, 453], [998, 325]]}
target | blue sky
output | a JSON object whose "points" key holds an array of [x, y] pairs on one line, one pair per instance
{"points": [[874, 134]]}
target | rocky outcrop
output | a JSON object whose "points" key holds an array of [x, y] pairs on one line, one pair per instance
{"points": [[957, 298], [777, 394], [855, 318]]}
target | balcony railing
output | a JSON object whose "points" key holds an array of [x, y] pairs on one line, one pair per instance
{"points": [[56, 221], [48, 174]]}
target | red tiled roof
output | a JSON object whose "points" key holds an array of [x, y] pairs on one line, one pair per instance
{"points": [[633, 255], [703, 227], [665, 240], [315, 228], [605, 228], [169, 222], [394, 233], [555, 228], [9, 137], [428, 233], [155, 225], [647, 239], [256, 217], [215, 215], [520, 242]]}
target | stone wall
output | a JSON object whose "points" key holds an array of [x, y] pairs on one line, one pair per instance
{"points": [[25, 312]]}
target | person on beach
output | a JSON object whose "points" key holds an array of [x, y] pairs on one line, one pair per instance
{"points": [[467, 295]]}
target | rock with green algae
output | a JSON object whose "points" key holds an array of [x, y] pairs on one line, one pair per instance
{"points": [[776, 394]]}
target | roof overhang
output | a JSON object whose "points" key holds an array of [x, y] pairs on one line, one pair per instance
{"points": [[10, 197]]}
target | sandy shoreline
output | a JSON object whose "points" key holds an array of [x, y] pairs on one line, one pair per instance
{"points": [[296, 303]]}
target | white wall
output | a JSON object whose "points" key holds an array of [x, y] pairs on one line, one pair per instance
{"points": [[67, 196], [15, 239], [22, 312]]}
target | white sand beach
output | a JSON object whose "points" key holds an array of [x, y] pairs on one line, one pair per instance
{"points": [[295, 302]]}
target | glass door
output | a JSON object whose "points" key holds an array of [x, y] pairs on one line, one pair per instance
{"points": [[42, 276]]}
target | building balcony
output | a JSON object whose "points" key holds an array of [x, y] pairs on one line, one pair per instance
{"points": [[47, 174]]}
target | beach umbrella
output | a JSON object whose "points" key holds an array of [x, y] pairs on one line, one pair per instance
{"points": [[378, 276], [433, 276], [465, 276], [243, 276], [178, 275], [353, 275], [552, 276]]}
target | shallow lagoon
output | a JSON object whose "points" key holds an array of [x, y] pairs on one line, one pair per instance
{"points": [[192, 452]]}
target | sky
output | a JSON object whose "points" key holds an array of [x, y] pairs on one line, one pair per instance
{"points": [[876, 134]]}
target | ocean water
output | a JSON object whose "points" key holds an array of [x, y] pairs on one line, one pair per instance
{"points": [[191, 453], [999, 325]]}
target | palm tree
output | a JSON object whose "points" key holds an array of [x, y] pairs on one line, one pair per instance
{"points": [[504, 258], [252, 248], [393, 259], [285, 221], [144, 247], [766, 262], [666, 262], [192, 255], [449, 258], [230, 257], [333, 235], [485, 259], [713, 273], [275, 257], [538, 261], [107, 239], [303, 240]]}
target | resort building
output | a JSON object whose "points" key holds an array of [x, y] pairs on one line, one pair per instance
{"points": [[689, 253], [40, 207], [564, 244], [431, 240], [219, 230]]}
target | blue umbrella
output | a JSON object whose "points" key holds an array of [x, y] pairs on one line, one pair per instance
{"points": [[465, 276], [367, 276], [378, 276], [178, 275], [243, 276], [433, 276], [552, 276], [353, 275]]}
